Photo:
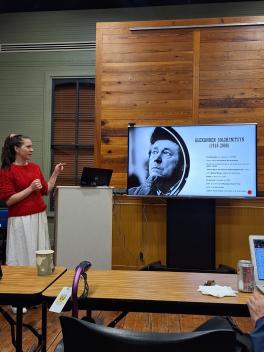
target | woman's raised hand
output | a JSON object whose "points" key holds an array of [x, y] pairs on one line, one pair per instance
{"points": [[59, 168]]}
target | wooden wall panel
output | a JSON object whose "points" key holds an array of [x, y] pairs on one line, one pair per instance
{"points": [[232, 80], [235, 221], [139, 232], [144, 79], [177, 77]]}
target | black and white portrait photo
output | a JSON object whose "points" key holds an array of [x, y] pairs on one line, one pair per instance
{"points": [[158, 163]]}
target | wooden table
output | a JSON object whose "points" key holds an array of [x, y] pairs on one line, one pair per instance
{"points": [[22, 287], [154, 291]]}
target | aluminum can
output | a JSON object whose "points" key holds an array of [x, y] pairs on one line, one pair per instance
{"points": [[245, 276]]}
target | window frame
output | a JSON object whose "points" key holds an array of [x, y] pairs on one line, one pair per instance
{"points": [[90, 147], [88, 72]]}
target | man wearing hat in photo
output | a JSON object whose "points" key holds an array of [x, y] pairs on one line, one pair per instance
{"points": [[168, 164]]}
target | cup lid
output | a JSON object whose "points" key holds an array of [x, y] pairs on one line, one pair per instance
{"points": [[44, 251]]}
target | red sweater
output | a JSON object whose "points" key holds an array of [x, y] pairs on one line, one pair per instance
{"points": [[16, 179]]}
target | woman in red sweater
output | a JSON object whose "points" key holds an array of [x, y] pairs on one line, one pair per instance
{"points": [[22, 186]]}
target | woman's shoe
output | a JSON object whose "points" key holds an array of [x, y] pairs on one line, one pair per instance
{"points": [[14, 310]]}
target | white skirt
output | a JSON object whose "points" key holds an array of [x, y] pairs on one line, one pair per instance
{"points": [[25, 235]]}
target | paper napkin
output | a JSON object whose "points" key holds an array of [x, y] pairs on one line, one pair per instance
{"points": [[217, 291]]}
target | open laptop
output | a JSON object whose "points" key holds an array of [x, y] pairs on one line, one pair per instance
{"points": [[256, 243], [94, 177]]}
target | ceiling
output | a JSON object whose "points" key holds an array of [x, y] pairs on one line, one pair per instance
{"points": [[57, 5]]}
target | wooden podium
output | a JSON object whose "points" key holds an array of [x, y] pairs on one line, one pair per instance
{"points": [[83, 226]]}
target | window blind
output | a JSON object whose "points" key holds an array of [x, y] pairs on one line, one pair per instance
{"points": [[73, 127]]}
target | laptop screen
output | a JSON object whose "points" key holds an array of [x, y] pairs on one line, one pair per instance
{"points": [[259, 255], [93, 177]]}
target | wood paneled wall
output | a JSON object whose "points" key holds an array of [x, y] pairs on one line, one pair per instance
{"points": [[139, 230], [194, 75]]}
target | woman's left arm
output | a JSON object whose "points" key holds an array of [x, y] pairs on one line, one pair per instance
{"points": [[57, 170]]}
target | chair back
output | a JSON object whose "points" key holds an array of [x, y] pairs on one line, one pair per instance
{"points": [[80, 335], [80, 270]]}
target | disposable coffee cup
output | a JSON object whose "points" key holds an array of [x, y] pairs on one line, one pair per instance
{"points": [[44, 261]]}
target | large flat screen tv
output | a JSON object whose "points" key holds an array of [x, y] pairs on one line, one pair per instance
{"points": [[192, 161]]}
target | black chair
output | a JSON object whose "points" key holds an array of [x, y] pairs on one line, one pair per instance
{"points": [[80, 335]]}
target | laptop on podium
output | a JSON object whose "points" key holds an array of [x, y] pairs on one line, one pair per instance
{"points": [[94, 177], [256, 243]]}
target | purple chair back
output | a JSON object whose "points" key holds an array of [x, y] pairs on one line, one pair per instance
{"points": [[80, 270]]}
